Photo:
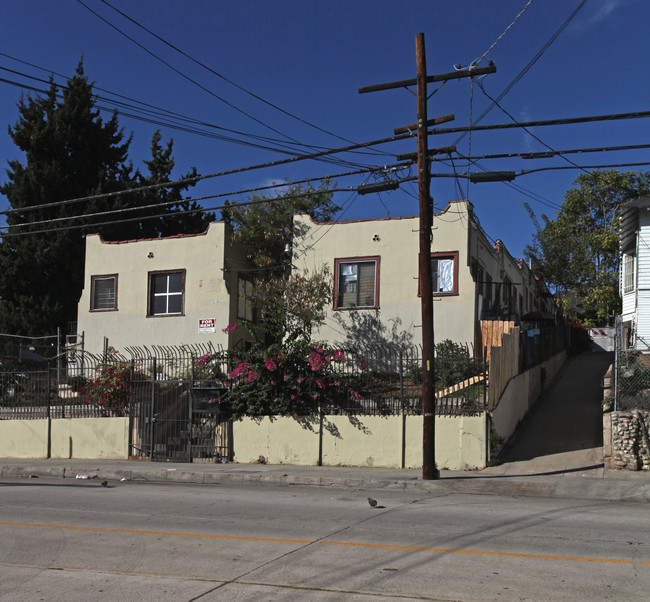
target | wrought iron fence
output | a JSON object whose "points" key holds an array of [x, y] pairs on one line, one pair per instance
{"points": [[389, 382], [177, 409], [377, 381]]}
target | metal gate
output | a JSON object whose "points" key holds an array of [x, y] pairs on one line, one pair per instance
{"points": [[177, 422], [209, 434]]}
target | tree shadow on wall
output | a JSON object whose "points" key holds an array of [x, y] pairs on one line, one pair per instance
{"points": [[312, 424], [366, 330]]}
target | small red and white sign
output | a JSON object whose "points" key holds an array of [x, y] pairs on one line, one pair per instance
{"points": [[207, 325]]}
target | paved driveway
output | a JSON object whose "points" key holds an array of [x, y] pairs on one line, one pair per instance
{"points": [[565, 426]]}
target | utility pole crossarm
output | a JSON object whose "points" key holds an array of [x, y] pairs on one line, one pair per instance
{"points": [[436, 121], [443, 77]]}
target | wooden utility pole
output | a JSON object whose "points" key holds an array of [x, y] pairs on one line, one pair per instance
{"points": [[429, 469]]}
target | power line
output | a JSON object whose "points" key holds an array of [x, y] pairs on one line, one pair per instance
{"points": [[189, 79], [148, 217], [151, 109], [523, 10], [482, 88], [223, 77], [525, 124], [175, 202], [200, 86], [560, 167], [195, 179], [553, 153], [530, 64], [163, 116]]}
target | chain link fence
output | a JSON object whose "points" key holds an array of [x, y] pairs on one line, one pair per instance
{"points": [[632, 375]]}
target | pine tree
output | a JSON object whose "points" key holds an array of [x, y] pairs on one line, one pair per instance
{"points": [[71, 152], [176, 215]]}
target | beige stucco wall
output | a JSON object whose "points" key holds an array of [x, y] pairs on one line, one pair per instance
{"points": [[91, 438], [210, 292], [87, 438], [361, 441], [396, 242], [23, 438]]}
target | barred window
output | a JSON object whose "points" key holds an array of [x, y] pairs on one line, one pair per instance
{"points": [[103, 293], [356, 283]]}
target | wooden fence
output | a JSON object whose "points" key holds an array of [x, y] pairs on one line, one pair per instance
{"points": [[501, 341], [492, 332]]}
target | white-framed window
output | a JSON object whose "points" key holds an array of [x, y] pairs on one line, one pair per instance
{"points": [[628, 273], [356, 283], [245, 309], [103, 293], [166, 293]]}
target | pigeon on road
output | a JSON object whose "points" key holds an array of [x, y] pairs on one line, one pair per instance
{"points": [[104, 483], [373, 503]]}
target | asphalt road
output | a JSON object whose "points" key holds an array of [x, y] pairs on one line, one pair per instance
{"points": [[74, 540]]}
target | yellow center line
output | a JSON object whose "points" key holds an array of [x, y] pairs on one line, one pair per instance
{"points": [[480, 552], [331, 543], [140, 532]]}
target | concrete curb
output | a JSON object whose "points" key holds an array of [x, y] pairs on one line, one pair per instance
{"points": [[615, 488]]}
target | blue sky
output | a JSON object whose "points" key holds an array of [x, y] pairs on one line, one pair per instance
{"points": [[310, 58]]}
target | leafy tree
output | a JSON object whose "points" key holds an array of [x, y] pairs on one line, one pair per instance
{"points": [[294, 374], [265, 225], [577, 251], [283, 371], [70, 152]]}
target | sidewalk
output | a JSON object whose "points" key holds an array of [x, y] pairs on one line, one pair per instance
{"points": [[557, 476], [557, 452]]}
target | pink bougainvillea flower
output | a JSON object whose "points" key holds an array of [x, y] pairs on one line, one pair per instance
{"points": [[230, 328], [252, 376], [270, 364], [242, 368], [338, 356]]}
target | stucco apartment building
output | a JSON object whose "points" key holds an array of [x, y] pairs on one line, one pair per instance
{"points": [[179, 290], [185, 290], [374, 264]]}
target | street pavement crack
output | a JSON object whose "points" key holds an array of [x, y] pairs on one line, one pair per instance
{"points": [[376, 513]]}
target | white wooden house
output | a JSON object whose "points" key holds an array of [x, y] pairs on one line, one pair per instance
{"points": [[634, 273]]}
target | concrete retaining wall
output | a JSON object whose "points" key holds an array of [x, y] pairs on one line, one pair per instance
{"points": [[82, 438], [376, 441], [522, 392]]}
